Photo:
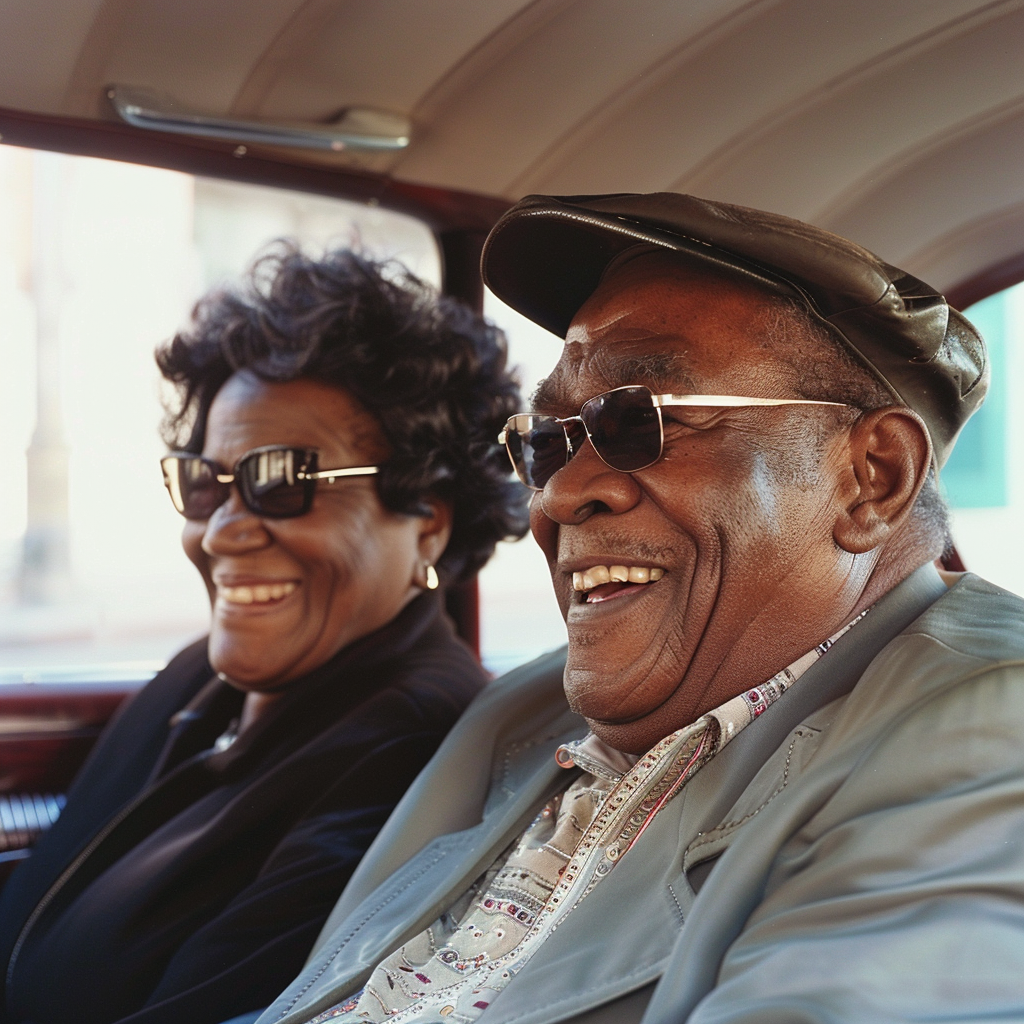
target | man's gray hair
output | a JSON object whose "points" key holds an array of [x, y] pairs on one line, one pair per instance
{"points": [[827, 371]]}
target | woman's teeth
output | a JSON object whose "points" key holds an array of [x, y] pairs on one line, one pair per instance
{"points": [[262, 593], [584, 581]]}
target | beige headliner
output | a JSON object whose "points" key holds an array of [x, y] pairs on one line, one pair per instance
{"points": [[897, 122]]}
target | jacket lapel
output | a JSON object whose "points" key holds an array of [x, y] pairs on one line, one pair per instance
{"points": [[450, 794], [620, 937], [447, 830]]}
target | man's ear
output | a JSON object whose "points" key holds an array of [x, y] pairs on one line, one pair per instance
{"points": [[889, 454], [435, 530]]}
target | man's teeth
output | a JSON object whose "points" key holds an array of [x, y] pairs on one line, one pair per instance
{"points": [[259, 594], [584, 581]]}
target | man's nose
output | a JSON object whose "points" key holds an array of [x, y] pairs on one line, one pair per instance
{"points": [[234, 530], [586, 486]]}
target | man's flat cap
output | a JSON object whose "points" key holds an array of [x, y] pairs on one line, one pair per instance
{"points": [[546, 257]]}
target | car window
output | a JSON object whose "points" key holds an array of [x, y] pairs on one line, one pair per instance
{"points": [[99, 262], [519, 618], [984, 478]]}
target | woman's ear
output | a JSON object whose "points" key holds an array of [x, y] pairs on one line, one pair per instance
{"points": [[435, 530], [889, 454]]}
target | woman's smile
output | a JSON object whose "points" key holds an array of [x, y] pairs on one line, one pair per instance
{"points": [[257, 594]]}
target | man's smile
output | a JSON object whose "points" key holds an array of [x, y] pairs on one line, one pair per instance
{"points": [[602, 582]]}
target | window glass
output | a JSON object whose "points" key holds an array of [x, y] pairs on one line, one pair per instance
{"points": [[519, 618], [984, 478], [99, 263], [975, 475]]}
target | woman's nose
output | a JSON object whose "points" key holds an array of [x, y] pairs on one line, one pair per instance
{"points": [[233, 529], [586, 485]]}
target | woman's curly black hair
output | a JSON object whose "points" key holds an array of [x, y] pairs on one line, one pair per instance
{"points": [[431, 372]]}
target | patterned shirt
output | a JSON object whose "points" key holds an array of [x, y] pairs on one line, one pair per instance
{"points": [[455, 969]]}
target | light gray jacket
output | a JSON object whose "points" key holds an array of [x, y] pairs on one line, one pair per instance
{"points": [[858, 855]]}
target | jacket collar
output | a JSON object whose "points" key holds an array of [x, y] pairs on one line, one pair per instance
{"points": [[336, 686]]}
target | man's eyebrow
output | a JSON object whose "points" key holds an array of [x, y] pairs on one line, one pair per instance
{"points": [[658, 370], [547, 396]]}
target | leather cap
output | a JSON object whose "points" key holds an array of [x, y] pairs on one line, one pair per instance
{"points": [[545, 257]]}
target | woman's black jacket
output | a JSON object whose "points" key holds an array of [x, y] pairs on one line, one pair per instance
{"points": [[185, 884]]}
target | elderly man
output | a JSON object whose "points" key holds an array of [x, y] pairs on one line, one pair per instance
{"points": [[785, 779]]}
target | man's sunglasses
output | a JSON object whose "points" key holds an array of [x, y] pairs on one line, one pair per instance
{"points": [[624, 426], [276, 482]]}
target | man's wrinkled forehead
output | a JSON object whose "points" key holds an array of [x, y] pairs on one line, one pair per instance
{"points": [[635, 298], [648, 323]]}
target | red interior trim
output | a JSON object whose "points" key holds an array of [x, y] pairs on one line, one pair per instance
{"points": [[993, 279], [952, 562], [67, 703], [442, 209]]}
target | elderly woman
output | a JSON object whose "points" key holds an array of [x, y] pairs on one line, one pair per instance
{"points": [[332, 460]]}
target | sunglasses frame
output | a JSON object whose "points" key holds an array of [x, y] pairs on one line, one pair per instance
{"points": [[228, 478], [658, 402]]}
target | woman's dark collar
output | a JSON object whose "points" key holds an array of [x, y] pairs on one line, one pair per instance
{"points": [[359, 664]]}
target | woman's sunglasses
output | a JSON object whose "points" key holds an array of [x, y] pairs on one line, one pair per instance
{"points": [[624, 426], [276, 482]]}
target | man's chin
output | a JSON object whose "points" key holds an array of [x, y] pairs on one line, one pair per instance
{"points": [[618, 686], [630, 710], [628, 737], [634, 735]]}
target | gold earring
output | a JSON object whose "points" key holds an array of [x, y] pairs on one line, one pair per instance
{"points": [[432, 581]]}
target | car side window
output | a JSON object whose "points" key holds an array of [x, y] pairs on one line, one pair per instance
{"points": [[99, 262], [984, 478]]}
